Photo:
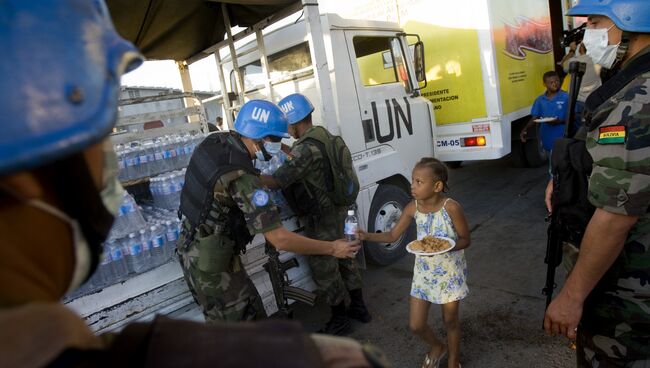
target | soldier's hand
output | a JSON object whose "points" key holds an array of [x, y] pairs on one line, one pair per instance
{"points": [[562, 316], [345, 249]]}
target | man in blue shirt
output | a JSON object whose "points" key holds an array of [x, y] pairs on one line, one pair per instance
{"points": [[550, 109]]}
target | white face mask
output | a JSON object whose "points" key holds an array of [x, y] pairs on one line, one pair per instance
{"points": [[273, 147], [82, 252], [598, 48]]}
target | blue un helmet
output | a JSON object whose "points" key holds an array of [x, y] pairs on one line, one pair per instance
{"points": [[297, 107], [259, 118], [628, 15], [60, 79]]}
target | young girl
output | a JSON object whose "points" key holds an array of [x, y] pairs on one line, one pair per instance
{"points": [[438, 279]]}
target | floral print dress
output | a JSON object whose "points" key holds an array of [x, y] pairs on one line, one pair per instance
{"points": [[441, 278]]}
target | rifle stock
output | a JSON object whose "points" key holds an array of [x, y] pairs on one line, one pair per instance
{"points": [[282, 290]]}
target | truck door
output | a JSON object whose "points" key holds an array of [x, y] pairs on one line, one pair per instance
{"points": [[390, 114]]}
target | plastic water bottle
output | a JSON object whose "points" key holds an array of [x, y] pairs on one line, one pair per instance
{"points": [[159, 156], [350, 228], [146, 242], [121, 163], [275, 163], [158, 251], [104, 273], [132, 162], [171, 232], [135, 258], [119, 261], [143, 160]]}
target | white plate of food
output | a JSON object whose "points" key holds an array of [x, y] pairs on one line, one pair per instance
{"points": [[431, 245], [544, 120]]}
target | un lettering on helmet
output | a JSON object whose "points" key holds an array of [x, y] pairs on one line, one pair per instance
{"points": [[287, 106], [261, 115]]}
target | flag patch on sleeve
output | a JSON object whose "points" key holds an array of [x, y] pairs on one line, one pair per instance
{"points": [[613, 134]]}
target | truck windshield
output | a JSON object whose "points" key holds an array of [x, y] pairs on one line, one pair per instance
{"points": [[381, 61], [281, 65]]}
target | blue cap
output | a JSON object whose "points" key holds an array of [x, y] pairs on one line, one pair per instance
{"points": [[297, 107], [259, 118], [628, 15], [60, 79]]}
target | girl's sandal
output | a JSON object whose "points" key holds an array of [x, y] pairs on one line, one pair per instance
{"points": [[433, 363]]}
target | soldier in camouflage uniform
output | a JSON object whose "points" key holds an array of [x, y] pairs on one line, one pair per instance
{"points": [[606, 298], [223, 204], [303, 174]]}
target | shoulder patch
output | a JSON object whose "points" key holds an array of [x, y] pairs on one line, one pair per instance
{"points": [[260, 198], [612, 134]]}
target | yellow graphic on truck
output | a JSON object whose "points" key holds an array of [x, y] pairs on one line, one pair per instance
{"points": [[523, 45], [454, 77]]}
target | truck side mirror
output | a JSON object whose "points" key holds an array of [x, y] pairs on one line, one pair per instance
{"points": [[418, 59]]}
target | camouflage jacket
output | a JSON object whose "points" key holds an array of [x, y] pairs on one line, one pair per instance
{"points": [[620, 183], [305, 164], [241, 189]]}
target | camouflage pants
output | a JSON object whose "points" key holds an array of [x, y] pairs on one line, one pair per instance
{"points": [[220, 286], [334, 277], [600, 351]]}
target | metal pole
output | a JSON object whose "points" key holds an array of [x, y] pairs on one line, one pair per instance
{"points": [[233, 55], [265, 63], [186, 81], [320, 65], [224, 90]]}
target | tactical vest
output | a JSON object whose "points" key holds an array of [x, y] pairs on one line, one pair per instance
{"points": [[303, 195], [218, 154]]}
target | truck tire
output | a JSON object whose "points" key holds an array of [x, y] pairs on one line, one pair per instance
{"points": [[386, 208], [535, 154]]}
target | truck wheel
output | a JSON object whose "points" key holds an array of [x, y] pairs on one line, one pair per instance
{"points": [[386, 208], [535, 154]]}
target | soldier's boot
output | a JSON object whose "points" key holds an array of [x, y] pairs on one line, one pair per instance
{"points": [[357, 309], [339, 324]]}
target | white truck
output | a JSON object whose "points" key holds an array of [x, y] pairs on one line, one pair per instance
{"points": [[485, 60], [386, 124]]}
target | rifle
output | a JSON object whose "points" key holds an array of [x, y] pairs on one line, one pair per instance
{"points": [[555, 233], [282, 288]]}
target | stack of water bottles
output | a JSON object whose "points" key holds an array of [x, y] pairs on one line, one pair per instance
{"points": [[142, 158], [166, 189], [268, 168], [139, 241]]}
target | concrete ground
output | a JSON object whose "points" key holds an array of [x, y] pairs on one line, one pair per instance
{"points": [[501, 319]]}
